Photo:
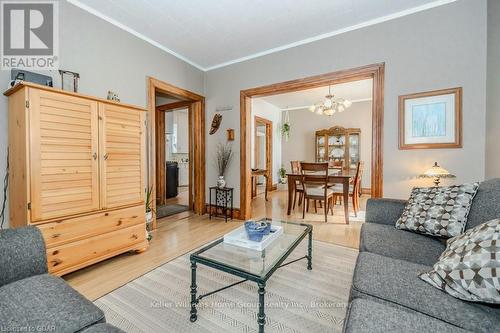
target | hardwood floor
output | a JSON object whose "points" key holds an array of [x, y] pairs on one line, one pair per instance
{"points": [[334, 231], [184, 232], [182, 197]]}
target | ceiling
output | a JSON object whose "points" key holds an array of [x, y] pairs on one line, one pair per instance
{"points": [[212, 34], [356, 91]]}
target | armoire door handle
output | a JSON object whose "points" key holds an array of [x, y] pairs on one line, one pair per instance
{"points": [[95, 156], [106, 156]]}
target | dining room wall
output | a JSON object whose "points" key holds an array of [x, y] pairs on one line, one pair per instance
{"points": [[304, 124], [429, 50]]}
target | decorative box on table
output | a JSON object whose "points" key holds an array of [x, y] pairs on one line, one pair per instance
{"points": [[239, 237]]}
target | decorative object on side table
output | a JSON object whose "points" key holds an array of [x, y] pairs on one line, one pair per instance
{"points": [[282, 174], [69, 79], [149, 213], [216, 121], [223, 202], [437, 173], [112, 96], [431, 119], [224, 157]]}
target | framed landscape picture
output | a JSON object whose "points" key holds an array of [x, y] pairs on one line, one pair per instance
{"points": [[431, 119]]}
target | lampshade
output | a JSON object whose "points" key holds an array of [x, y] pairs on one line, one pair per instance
{"points": [[437, 171]]}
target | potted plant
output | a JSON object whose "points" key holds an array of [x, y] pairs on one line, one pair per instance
{"points": [[282, 174], [149, 212], [285, 130], [224, 156]]}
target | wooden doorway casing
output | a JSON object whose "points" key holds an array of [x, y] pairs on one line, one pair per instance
{"points": [[374, 71], [269, 146], [196, 119]]}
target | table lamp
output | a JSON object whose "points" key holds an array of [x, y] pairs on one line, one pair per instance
{"points": [[437, 173]]}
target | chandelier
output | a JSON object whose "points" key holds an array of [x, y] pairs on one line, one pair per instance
{"points": [[330, 105]]}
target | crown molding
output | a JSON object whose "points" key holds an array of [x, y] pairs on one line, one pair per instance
{"points": [[365, 24], [133, 32]]}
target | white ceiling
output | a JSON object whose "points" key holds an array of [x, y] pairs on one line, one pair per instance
{"points": [[356, 91], [213, 33]]}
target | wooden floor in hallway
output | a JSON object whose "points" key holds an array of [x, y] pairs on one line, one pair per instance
{"points": [[184, 232]]}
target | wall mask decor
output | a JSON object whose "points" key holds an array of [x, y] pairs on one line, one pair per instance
{"points": [[215, 123]]}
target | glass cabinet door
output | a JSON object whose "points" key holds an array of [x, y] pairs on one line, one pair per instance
{"points": [[354, 145], [336, 150], [320, 148]]}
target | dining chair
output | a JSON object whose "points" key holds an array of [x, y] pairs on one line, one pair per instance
{"points": [[354, 188], [298, 185], [315, 184]]}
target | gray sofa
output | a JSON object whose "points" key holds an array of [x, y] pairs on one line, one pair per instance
{"points": [[388, 296], [31, 300]]}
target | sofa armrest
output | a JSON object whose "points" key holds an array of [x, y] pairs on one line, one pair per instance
{"points": [[384, 211], [22, 254]]}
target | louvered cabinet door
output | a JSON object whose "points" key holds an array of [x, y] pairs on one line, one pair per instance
{"points": [[64, 147], [122, 140]]}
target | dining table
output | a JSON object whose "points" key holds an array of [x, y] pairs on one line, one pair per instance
{"points": [[335, 176]]}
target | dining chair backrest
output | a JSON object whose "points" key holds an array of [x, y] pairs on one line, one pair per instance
{"points": [[314, 174], [357, 178], [295, 166]]}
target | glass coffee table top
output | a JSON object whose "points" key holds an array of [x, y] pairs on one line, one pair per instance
{"points": [[257, 263]]}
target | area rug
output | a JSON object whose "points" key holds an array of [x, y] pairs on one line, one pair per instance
{"points": [[168, 210], [297, 300]]}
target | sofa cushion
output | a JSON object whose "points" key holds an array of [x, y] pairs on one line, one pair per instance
{"points": [[22, 254], [396, 281], [46, 302], [468, 267], [372, 316], [388, 241], [438, 211], [485, 206], [102, 328]]}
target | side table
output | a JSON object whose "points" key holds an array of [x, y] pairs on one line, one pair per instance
{"points": [[223, 201]]}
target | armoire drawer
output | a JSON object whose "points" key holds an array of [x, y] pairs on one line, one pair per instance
{"points": [[70, 257], [74, 229]]}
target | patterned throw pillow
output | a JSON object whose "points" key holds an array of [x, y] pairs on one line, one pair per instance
{"points": [[438, 211], [469, 268]]}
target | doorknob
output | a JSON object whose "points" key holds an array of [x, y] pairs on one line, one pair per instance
{"points": [[106, 156], [95, 156]]}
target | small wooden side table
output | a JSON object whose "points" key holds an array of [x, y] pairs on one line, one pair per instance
{"points": [[223, 197]]}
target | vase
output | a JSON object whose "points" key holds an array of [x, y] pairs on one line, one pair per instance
{"points": [[221, 183], [149, 225]]}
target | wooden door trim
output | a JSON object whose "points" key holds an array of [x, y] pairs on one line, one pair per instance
{"points": [[374, 71], [196, 142], [269, 146], [174, 105]]}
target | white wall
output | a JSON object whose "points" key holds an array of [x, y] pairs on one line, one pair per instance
{"points": [[438, 48], [270, 112], [493, 90], [304, 124], [107, 58]]}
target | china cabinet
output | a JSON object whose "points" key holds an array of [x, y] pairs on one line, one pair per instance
{"points": [[339, 146]]}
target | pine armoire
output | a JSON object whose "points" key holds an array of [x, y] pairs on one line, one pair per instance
{"points": [[77, 172]]}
